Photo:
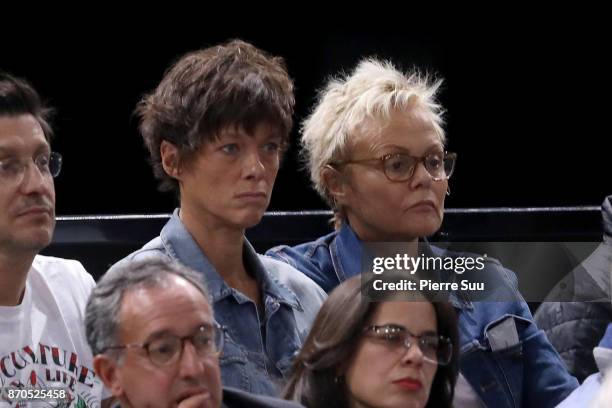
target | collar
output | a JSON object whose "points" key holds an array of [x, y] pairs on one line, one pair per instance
{"points": [[180, 245], [347, 253]]}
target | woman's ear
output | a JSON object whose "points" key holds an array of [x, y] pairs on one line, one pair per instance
{"points": [[335, 183], [170, 159]]}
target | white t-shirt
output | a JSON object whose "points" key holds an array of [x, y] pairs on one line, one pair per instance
{"points": [[42, 340]]}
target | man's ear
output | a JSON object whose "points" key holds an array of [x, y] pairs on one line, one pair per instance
{"points": [[170, 159], [106, 368], [335, 183]]}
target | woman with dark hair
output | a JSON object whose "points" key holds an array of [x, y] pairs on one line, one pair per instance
{"points": [[390, 353], [215, 128]]}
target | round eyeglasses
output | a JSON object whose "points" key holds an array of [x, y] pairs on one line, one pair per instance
{"points": [[400, 166], [168, 348]]}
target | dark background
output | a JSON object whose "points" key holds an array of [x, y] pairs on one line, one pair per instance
{"points": [[526, 106]]}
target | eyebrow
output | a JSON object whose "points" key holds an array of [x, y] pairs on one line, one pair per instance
{"points": [[166, 332], [408, 151], [4, 150], [235, 133], [11, 150]]}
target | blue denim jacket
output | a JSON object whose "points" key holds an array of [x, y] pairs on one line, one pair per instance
{"points": [[527, 374], [258, 350]]}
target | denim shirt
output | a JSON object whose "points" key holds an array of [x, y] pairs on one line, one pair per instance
{"points": [[529, 373], [258, 350]]}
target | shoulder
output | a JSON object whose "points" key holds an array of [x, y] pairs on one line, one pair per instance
{"points": [[152, 249], [60, 284], [311, 251], [65, 274], [313, 259], [290, 277]]}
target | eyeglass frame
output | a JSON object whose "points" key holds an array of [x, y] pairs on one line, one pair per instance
{"points": [[421, 159], [53, 157], [216, 327], [406, 343]]}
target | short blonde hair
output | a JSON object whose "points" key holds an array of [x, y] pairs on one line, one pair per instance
{"points": [[373, 91]]}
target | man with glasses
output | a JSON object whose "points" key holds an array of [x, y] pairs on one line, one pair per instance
{"points": [[43, 351], [151, 328]]}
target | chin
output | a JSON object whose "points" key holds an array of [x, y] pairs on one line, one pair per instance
{"points": [[425, 228], [33, 243], [249, 220]]}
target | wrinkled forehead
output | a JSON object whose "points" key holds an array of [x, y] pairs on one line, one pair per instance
{"points": [[171, 304], [20, 133]]}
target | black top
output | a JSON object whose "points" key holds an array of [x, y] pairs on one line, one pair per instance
{"points": [[235, 398]]}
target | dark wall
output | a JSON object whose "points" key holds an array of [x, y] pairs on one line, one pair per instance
{"points": [[525, 107]]}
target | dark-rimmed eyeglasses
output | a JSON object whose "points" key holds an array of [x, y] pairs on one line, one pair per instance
{"points": [[168, 348]]}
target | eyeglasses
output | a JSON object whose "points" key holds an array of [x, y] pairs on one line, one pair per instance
{"points": [[167, 349], [435, 349], [400, 166], [12, 169]]}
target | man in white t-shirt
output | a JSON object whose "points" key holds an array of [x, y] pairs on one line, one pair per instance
{"points": [[43, 352]]}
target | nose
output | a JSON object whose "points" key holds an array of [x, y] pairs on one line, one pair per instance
{"points": [[254, 167], [190, 365], [413, 354], [420, 176], [34, 181]]}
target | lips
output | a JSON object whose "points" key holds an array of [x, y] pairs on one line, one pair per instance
{"points": [[252, 195], [408, 383], [35, 210], [423, 205]]}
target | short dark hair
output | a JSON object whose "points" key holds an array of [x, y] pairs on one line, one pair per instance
{"points": [[334, 337], [18, 97], [233, 84]]}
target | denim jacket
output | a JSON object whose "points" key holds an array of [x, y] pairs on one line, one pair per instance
{"points": [[529, 373], [258, 350]]}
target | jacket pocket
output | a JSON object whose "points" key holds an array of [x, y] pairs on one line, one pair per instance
{"points": [[233, 363], [505, 344]]}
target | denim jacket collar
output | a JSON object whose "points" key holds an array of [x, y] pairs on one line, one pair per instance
{"points": [[347, 251], [180, 245]]}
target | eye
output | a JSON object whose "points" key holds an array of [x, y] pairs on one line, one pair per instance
{"points": [[230, 148], [399, 164], [429, 343], [203, 341], [10, 166], [390, 335], [392, 338], [271, 147], [164, 349], [434, 161], [42, 162]]}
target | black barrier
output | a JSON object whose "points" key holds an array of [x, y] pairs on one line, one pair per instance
{"points": [[99, 241]]}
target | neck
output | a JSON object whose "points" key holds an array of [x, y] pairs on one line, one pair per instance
{"points": [[14, 269], [222, 244]]}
